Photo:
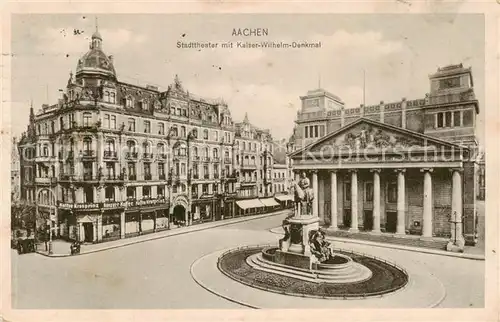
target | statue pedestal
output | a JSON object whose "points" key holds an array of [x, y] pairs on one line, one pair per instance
{"points": [[299, 252]]}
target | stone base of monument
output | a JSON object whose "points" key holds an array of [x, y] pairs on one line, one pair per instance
{"points": [[339, 269]]}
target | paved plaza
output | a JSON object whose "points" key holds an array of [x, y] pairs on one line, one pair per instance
{"points": [[157, 274]]}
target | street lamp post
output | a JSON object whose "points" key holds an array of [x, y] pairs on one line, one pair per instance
{"points": [[52, 204]]}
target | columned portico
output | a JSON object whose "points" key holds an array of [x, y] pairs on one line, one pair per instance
{"points": [[401, 204], [354, 200], [333, 198], [427, 204], [376, 201]]}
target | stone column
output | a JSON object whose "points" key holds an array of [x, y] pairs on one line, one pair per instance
{"points": [[354, 201], [401, 207], [333, 197], [427, 206], [315, 192], [457, 238], [376, 201]]}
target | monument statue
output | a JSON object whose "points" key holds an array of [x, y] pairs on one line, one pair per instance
{"points": [[303, 196]]}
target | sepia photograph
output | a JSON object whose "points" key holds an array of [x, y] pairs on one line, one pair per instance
{"points": [[247, 161]]}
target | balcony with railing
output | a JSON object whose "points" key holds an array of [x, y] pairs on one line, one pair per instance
{"points": [[132, 177], [45, 180], [161, 176], [131, 155], [205, 159], [206, 176], [161, 156], [67, 176], [147, 176], [216, 175], [89, 177], [110, 155], [228, 160], [196, 158], [111, 177], [87, 154], [248, 165], [147, 155], [216, 159]]}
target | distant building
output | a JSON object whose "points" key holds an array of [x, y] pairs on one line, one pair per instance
{"points": [[403, 167], [15, 179]]}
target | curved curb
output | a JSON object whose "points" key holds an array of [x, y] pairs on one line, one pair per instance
{"points": [[276, 230], [199, 282], [318, 303], [132, 242]]}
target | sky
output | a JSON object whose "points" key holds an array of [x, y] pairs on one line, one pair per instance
{"points": [[397, 52]]}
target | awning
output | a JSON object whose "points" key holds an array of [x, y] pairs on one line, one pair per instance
{"points": [[249, 203], [284, 197], [269, 202]]}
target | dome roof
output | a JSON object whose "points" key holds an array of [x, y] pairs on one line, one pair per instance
{"points": [[95, 60]]}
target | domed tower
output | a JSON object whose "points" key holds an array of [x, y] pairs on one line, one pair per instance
{"points": [[95, 64]]}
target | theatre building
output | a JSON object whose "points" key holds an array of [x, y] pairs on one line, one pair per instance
{"points": [[406, 167]]}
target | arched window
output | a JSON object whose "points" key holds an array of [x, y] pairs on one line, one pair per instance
{"points": [[246, 160], [195, 151], [253, 160], [161, 148], [207, 154], [131, 146]]}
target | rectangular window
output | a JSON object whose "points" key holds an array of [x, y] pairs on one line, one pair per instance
{"points": [[147, 169], [146, 192], [131, 125], [131, 192], [205, 171], [183, 168], [448, 119], [160, 191], [369, 191], [131, 168], [161, 128], [440, 121], [147, 127], [205, 188], [316, 132], [306, 132], [113, 122], [392, 192], [456, 118], [161, 169], [106, 121], [205, 134], [86, 119]]}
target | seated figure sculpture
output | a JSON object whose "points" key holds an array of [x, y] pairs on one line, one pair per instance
{"points": [[320, 248]]}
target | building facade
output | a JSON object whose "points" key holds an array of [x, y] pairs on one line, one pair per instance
{"points": [[113, 160], [406, 167]]}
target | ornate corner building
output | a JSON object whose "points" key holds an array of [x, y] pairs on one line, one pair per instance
{"points": [[406, 167], [112, 160]]}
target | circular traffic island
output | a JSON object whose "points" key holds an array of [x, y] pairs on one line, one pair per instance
{"points": [[252, 266]]}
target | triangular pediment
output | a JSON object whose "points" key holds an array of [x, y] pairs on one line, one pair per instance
{"points": [[366, 134]]}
